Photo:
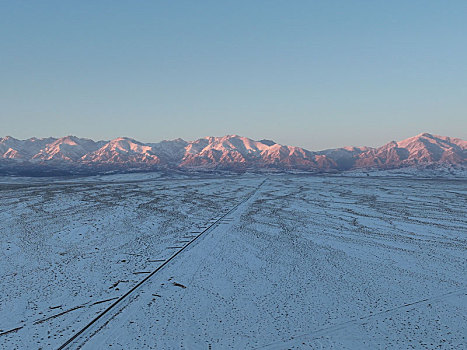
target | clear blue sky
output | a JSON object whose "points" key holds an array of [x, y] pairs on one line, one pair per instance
{"points": [[316, 74]]}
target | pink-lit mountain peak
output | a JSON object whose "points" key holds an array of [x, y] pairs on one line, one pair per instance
{"points": [[126, 144], [122, 150], [68, 148], [424, 139], [237, 143]]}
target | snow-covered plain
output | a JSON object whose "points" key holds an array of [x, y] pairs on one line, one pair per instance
{"points": [[299, 262]]}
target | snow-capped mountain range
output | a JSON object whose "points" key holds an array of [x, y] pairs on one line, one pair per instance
{"points": [[232, 152]]}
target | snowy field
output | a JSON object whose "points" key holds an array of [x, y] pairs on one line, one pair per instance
{"points": [[282, 262]]}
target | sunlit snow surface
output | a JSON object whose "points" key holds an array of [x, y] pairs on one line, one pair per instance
{"points": [[305, 262]]}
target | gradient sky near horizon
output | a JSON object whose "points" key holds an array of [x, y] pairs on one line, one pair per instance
{"points": [[316, 74]]}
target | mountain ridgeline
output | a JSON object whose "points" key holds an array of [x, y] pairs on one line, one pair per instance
{"points": [[73, 155]]}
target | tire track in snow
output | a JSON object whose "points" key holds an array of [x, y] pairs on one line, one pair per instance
{"points": [[356, 321], [48, 318]]}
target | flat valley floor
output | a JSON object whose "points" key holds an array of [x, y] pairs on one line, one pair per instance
{"points": [[248, 262]]}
